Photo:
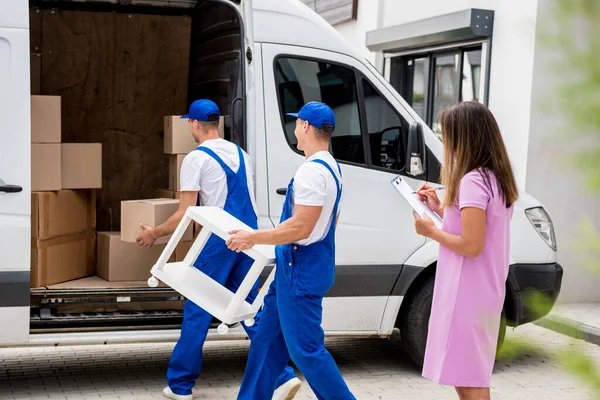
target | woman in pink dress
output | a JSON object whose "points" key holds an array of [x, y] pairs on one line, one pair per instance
{"points": [[474, 241]]}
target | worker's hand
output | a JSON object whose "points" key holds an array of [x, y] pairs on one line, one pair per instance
{"points": [[241, 240], [428, 195], [148, 237], [424, 226]]}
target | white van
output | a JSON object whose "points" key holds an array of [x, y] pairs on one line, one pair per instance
{"points": [[116, 65]]}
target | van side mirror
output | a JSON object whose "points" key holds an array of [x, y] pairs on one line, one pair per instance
{"points": [[416, 151]]}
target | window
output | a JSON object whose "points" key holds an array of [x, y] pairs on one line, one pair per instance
{"points": [[299, 81], [365, 126], [387, 131], [430, 81]]}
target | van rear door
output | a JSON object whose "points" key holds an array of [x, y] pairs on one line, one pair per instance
{"points": [[15, 189]]}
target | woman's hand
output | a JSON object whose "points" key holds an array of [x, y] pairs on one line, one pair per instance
{"points": [[428, 195], [424, 226]]}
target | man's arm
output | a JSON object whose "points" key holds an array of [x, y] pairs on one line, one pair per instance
{"points": [[150, 234], [297, 228]]}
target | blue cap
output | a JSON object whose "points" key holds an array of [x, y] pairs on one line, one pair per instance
{"points": [[317, 114], [203, 110]]}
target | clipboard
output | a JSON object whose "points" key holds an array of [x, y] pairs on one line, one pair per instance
{"points": [[411, 198]]}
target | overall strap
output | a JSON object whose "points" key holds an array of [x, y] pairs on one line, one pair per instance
{"points": [[334, 214], [216, 158], [339, 168], [337, 182], [242, 168]]}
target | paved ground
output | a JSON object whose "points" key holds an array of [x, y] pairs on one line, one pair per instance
{"points": [[374, 369]]}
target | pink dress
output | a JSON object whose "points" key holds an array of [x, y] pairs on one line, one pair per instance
{"points": [[469, 292]]}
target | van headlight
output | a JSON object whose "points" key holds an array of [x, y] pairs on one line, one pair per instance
{"points": [[542, 223]]}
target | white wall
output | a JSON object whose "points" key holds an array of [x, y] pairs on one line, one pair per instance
{"points": [[512, 56], [356, 31]]}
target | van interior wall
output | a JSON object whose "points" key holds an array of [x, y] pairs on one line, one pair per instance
{"points": [[118, 76], [215, 63]]}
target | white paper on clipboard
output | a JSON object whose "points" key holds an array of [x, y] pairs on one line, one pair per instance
{"points": [[408, 193]]}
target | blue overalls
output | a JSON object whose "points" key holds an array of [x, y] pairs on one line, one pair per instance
{"points": [[224, 266], [290, 325]]}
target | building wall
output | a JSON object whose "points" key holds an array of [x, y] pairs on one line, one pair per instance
{"points": [[553, 181], [355, 31]]}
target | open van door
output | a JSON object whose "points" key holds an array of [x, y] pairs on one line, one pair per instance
{"points": [[15, 188]]}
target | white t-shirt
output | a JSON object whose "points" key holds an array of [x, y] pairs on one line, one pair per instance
{"points": [[202, 173], [315, 186]]}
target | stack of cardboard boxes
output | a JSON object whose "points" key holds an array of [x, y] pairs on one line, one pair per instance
{"points": [[65, 244], [63, 205]]}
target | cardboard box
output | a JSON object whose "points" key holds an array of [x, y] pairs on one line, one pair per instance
{"points": [[175, 162], [169, 194], [181, 250], [45, 119], [61, 213], [166, 194], [178, 138], [122, 261], [151, 212], [81, 166], [45, 167], [62, 258]]}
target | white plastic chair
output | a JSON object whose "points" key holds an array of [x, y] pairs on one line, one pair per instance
{"points": [[198, 287]]}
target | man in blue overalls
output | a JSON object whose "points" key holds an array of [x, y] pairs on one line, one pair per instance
{"points": [[219, 174], [290, 325]]}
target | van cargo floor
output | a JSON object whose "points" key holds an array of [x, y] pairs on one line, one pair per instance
{"points": [[94, 286], [95, 282]]}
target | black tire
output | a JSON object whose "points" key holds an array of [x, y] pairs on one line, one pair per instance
{"points": [[415, 322]]}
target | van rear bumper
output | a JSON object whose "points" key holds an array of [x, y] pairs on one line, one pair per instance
{"points": [[526, 280]]}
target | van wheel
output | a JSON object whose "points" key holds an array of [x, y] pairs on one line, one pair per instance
{"points": [[415, 324]]}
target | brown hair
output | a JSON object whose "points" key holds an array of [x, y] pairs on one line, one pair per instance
{"points": [[209, 124], [472, 141], [323, 133]]}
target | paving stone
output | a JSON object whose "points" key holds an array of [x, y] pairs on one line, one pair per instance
{"points": [[375, 369]]}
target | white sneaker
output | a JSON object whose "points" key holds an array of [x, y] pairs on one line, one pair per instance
{"points": [[168, 393], [288, 390]]}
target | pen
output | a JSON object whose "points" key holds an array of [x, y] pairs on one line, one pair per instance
{"points": [[430, 190]]}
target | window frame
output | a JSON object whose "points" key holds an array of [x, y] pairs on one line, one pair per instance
{"points": [[431, 53], [362, 111]]}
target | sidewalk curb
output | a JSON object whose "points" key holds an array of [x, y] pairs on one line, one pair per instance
{"points": [[569, 327]]}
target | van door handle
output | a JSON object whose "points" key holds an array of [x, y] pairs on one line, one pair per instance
{"points": [[282, 191], [11, 189]]}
